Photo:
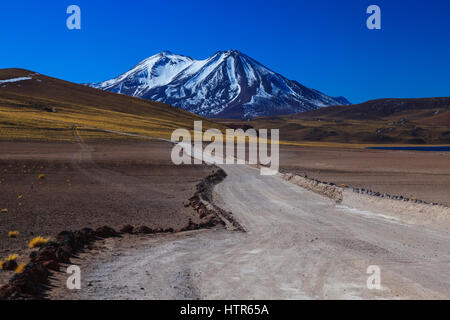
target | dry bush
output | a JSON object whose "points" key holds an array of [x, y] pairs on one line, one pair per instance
{"points": [[13, 234], [12, 257], [38, 242], [20, 268]]}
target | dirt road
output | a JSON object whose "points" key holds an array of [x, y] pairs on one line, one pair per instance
{"points": [[299, 245]]}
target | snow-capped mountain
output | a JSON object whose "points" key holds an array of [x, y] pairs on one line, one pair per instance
{"points": [[227, 85]]}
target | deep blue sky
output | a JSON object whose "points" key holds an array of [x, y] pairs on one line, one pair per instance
{"points": [[322, 44]]}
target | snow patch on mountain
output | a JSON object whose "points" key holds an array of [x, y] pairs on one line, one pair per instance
{"points": [[15, 80]]}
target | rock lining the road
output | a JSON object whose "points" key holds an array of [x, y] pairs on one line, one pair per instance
{"points": [[326, 189], [413, 210], [209, 213]]}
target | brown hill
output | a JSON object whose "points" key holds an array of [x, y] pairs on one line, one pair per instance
{"points": [[37, 107], [423, 111], [386, 121]]}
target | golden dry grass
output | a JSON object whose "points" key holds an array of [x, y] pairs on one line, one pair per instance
{"points": [[12, 257], [20, 268], [38, 242], [13, 234]]}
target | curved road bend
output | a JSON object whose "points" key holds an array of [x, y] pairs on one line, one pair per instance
{"points": [[299, 245]]}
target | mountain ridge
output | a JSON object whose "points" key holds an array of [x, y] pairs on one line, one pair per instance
{"points": [[229, 84]]}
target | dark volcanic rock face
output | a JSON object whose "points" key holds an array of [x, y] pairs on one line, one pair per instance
{"points": [[228, 85]]}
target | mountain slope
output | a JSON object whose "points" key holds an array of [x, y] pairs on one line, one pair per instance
{"points": [[227, 85], [37, 107]]}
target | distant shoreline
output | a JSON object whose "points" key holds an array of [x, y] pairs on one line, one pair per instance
{"points": [[423, 148]]}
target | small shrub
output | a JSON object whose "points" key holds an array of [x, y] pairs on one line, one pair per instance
{"points": [[9, 265], [20, 268], [12, 257], [41, 176], [38, 242], [13, 234]]}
